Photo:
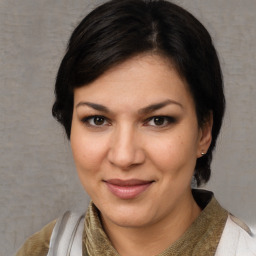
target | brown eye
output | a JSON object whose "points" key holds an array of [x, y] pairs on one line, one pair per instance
{"points": [[99, 120], [159, 120], [95, 121]]}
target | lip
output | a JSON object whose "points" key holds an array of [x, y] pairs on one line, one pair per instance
{"points": [[127, 189]]}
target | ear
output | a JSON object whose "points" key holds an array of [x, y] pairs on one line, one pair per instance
{"points": [[205, 136]]}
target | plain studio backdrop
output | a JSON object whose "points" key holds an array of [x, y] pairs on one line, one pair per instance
{"points": [[38, 179]]}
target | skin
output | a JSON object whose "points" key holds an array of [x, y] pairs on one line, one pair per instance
{"points": [[127, 142]]}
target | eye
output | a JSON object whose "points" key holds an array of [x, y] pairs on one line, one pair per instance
{"points": [[160, 121], [96, 121]]}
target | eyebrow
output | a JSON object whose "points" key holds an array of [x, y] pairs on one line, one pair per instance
{"points": [[94, 106], [146, 110], [156, 106]]}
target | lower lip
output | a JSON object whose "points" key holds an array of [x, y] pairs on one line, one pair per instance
{"points": [[127, 192]]}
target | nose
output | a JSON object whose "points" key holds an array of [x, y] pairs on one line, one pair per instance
{"points": [[126, 148]]}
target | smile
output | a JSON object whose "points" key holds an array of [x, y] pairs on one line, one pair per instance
{"points": [[127, 189]]}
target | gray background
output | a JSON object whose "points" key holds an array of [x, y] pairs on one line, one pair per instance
{"points": [[38, 179]]}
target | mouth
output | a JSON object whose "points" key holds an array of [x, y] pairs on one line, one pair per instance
{"points": [[127, 189]]}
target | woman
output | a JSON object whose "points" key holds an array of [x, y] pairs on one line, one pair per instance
{"points": [[140, 95]]}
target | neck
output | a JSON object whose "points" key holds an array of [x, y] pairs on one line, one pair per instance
{"points": [[155, 237]]}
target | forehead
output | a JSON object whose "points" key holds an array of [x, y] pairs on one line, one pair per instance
{"points": [[141, 79]]}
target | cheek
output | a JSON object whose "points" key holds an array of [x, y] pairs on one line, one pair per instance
{"points": [[174, 152], [88, 160], [87, 152]]}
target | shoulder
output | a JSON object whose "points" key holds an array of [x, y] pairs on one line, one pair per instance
{"points": [[38, 244], [57, 237], [236, 239]]}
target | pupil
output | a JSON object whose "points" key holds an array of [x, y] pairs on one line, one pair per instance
{"points": [[159, 120], [98, 120]]}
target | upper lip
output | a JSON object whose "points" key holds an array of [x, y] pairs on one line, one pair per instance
{"points": [[130, 182]]}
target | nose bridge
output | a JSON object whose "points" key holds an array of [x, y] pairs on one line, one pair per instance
{"points": [[125, 150]]}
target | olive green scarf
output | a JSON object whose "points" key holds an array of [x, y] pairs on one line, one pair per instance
{"points": [[200, 239]]}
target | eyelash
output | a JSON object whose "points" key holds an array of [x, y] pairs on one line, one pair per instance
{"points": [[106, 122], [87, 120], [167, 121]]}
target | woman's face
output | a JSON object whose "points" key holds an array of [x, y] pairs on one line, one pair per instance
{"points": [[135, 141]]}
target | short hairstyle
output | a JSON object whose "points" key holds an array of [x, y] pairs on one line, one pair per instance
{"points": [[121, 29]]}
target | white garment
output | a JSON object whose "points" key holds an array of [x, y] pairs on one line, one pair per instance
{"points": [[236, 240], [66, 238]]}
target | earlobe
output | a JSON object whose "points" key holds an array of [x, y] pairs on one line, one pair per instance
{"points": [[205, 137]]}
